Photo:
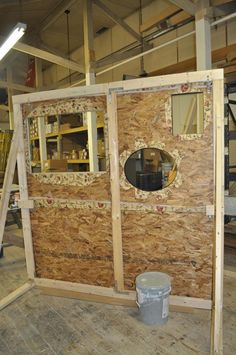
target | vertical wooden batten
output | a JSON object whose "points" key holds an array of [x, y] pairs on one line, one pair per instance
{"points": [[25, 213], [8, 180], [115, 191], [218, 259]]}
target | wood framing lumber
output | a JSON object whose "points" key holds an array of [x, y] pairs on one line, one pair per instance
{"points": [[5, 84], [186, 5], [179, 17], [26, 203], [25, 214], [4, 108], [14, 239], [36, 52], [16, 294], [118, 20], [8, 179], [217, 321], [161, 16], [55, 13], [105, 294], [115, 191]]}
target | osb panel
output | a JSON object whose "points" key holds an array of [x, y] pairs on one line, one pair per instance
{"points": [[67, 248], [178, 244], [142, 117], [64, 106], [99, 189]]}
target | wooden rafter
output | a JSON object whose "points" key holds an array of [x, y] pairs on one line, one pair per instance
{"points": [[118, 20], [186, 5], [36, 52]]}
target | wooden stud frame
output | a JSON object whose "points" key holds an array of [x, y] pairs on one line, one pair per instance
{"points": [[103, 294]]}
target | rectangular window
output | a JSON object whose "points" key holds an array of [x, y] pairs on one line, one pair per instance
{"points": [[187, 113], [67, 143]]}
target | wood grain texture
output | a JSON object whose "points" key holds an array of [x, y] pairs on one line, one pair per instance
{"points": [[178, 244], [99, 189], [142, 117], [73, 245]]}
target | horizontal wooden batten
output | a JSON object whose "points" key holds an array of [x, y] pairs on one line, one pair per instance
{"points": [[109, 295], [67, 131], [15, 294]]}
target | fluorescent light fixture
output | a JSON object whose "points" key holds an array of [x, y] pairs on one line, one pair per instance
{"points": [[13, 37]]}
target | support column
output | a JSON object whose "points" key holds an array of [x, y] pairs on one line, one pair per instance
{"points": [[89, 55], [203, 37], [38, 73], [9, 94]]}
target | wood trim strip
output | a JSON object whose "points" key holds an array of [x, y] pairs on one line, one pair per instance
{"points": [[115, 191]]}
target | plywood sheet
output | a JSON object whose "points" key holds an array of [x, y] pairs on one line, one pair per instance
{"points": [[98, 189], [179, 244], [144, 120], [73, 245]]}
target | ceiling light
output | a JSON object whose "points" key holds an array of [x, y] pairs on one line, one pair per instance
{"points": [[13, 37]]}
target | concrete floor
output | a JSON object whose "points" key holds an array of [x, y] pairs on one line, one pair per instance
{"points": [[39, 324]]}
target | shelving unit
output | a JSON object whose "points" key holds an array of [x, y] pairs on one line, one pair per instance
{"points": [[63, 143]]}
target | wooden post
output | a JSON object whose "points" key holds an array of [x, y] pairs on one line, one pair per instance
{"points": [[9, 94], [203, 37], [42, 141], [115, 191], [216, 334], [21, 166], [8, 179], [38, 73], [89, 56]]}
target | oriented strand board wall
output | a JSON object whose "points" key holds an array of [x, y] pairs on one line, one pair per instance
{"points": [[164, 231], [67, 248], [177, 242]]}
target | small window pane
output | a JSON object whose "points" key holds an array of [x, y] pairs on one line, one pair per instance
{"points": [[187, 113]]}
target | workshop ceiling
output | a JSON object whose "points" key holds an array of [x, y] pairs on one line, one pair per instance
{"points": [[47, 24]]}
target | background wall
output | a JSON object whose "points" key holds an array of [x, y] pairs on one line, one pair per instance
{"points": [[116, 38]]}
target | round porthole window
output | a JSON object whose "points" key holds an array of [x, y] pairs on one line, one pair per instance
{"points": [[150, 169]]}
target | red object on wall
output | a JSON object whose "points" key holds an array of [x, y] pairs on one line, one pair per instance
{"points": [[30, 78]]}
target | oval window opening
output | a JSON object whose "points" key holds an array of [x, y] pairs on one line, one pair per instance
{"points": [[150, 169]]}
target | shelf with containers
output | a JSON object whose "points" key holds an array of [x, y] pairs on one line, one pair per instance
{"points": [[60, 143]]}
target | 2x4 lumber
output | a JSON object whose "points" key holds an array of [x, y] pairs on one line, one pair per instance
{"points": [[56, 13], [186, 5], [101, 89], [115, 191], [218, 114], [15, 294], [98, 89], [179, 17], [25, 214], [8, 179], [6, 84], [154, 20], [118, 20], [89, 54], [105, 299], [39, 53], [104, 293]]}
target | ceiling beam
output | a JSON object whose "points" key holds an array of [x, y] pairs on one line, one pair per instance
{"points": [[5, 84], [56, 13], [39, 53], [159, 17], [186, 5], [118, 20]]}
